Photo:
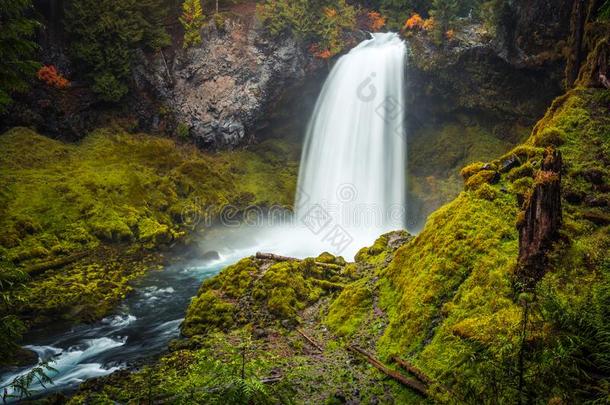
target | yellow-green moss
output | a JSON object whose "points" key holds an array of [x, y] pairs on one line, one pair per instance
{"points": [[486, 192], [525, 170], [348, 310], [481, 177], [550, 136], [466, 238], [449, 293], [207, 312], [264, 292], [472, 169], [127, 191]]}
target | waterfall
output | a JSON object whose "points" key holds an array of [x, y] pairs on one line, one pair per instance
{"points": [[352, 182]]}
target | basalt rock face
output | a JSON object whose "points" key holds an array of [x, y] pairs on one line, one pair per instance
{"points": [[512, 74], [222, 91], [223, 88]]}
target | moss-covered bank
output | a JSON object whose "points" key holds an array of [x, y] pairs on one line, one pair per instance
{"points": [[83, 220], [447, 300]]}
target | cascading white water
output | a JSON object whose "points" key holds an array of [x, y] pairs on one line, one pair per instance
{"points": [[352, 172], [351, 190]]}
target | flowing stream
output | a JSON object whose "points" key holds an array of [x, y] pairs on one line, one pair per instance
{"points": [[351, 189]]}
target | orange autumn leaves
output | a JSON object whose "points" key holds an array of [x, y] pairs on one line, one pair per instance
{"points": [[375, 21], [52, 78], [416, 23]]}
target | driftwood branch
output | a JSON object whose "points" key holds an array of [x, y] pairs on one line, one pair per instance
{"points": [[310, 340], [40, 268], [415, 385], [278, 258], [413, 370]]}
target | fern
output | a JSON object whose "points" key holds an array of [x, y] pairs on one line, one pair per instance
{"points": [[20, 387]]}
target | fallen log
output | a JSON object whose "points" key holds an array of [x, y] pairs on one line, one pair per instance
{"points": [[40, 268], [310, 340], [415, 385], [413, 370], [278, 258]]}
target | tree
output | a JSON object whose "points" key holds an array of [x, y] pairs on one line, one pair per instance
{"points": [[444, 13], [104, 35], [321, 24], [17, 50], [192, 21]]}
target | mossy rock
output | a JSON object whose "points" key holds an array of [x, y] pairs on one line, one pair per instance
{"points": [[551, 136], [525, 170], [486, 192], [481, 177], [208, 312]]}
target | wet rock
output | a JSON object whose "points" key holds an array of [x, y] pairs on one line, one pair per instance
{"points": [[509, 164], [259, 333], [222, 88], [211, 255]]}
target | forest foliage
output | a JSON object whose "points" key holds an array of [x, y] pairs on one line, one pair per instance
{"points": [[104, 36], [18, 49]]}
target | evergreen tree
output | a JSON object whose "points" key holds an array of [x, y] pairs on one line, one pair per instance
{"points": [[17, 50], [444, 13], [192, 21], [105, 34]]}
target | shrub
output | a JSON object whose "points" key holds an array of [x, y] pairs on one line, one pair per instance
{"points": [[375, 21], [192, 22], [104, 34], [17, 49], [414, 22], [326, 23], [52, 78]]}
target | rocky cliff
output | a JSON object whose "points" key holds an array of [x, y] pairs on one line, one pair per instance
{"points": [[222, 89], [217, 94]]}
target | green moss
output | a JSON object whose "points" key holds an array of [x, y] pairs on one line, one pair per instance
{"points": [[525, 170], [472, 169], [486, 192], [522, 186], [468, 237], [449, 293], [349, 309], [550, 136], [117, 191], [265, 291], [480, 178], [207, 312]]}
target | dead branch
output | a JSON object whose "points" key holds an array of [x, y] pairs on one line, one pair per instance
{"points": [[40, 268], [413, 384], [278, 258], [310, 340], [413, 370]]}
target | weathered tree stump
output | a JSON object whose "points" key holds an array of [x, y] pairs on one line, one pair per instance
{"points": [[541, 221]]}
